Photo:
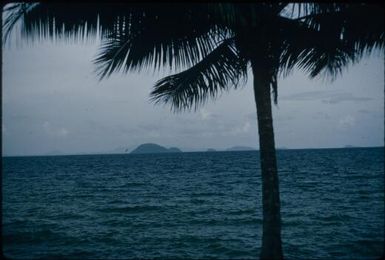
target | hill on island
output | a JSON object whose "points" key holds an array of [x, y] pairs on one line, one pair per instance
{"points": [[154, 148], [241, 148]]}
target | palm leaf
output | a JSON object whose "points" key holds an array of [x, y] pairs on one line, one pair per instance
{"points": [[319, 38], [221, 69], [325, 42], [235, 15], [135, 31], [143, 43]]}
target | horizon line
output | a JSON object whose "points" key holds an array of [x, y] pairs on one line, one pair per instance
{"points": [[206, 151]]}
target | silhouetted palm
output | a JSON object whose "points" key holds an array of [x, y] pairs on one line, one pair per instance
{"points": [[214, 45]]}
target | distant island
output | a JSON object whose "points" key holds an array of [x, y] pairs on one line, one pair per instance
{"points": [[174, 150], [54, 152], [154, 148], [211, 150], [241, 148]]}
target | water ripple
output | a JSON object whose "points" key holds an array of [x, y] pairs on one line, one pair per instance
{"points": [[191, 205]]}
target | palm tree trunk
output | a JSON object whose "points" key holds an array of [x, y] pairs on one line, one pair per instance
{"points": [[271, 238]]}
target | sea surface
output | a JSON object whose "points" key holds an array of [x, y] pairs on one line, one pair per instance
{"points": [[191, 205]]}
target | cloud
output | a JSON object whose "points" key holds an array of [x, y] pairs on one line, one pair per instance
{"points": [[304, 96], [364, 111], [54, 131], [204, 114], [283, 118], [238, 130], [246, 127], [346, 122], [154, 134], [345, 97], [321, 115], [251, 116], [326, 97]]}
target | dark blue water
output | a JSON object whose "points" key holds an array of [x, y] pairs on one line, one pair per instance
{"points": [[192, 205]]}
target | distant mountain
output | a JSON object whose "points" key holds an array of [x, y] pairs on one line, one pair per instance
{"points": [[54, 152], [211, 150], [240, 148], [117, 150], [174, 150], [154, 148]]}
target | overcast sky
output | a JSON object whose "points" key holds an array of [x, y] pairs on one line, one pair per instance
{"points": [[53, 102]]}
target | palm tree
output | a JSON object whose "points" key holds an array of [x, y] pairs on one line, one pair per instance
{"points": [[209, 48]]}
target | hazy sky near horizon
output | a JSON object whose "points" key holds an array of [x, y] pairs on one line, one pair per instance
{"points": [[53, 101]]}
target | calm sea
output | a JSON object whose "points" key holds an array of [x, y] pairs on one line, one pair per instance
{"points": [[191, 205]]}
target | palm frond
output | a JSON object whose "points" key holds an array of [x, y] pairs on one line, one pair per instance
{"points": [[320, 38], [135, 32], [14, 13], [133, 49], [220, 70], [53, 20], [361, 25], [327, 43], [300, 11]]}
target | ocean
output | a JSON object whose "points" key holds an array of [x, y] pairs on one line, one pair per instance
{"points": [[191, 205]]}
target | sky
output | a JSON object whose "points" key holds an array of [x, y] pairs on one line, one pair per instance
{"points": [[53, 103]]}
